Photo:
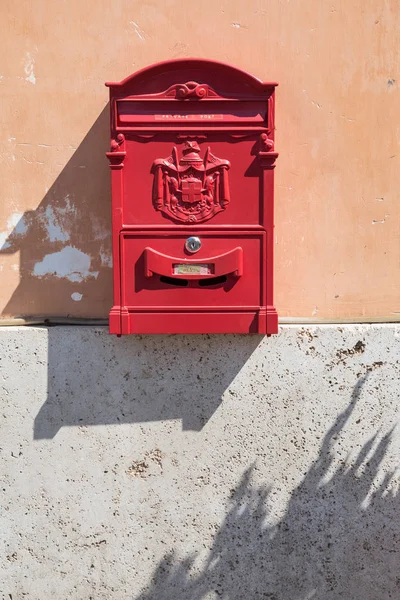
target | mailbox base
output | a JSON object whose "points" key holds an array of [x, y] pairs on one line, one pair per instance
{"points": [[263, 321]]}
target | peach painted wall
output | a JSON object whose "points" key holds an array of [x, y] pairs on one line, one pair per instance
{"points": [[338, 115]]}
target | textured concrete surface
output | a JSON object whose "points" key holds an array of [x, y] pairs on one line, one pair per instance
{"points": [[201, 467]]}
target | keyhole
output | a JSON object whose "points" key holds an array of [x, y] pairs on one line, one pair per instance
{"points": [[193, 244]]}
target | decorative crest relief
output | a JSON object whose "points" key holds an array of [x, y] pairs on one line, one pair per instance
{"points": [[191, 90], [192, 189]]}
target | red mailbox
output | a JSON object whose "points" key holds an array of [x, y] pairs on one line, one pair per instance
{"points": [[192, 163]]}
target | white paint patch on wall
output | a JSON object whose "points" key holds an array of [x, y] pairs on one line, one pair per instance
{"points": [[106, 258], [100, 232], [70, 263], [77, 296], [17, 226], [11, 155], [56, 220], [54, 230], [29, 68], [3, 240], [139, 31]]}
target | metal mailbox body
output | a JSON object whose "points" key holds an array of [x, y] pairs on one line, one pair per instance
{"points": [[192, 164]]}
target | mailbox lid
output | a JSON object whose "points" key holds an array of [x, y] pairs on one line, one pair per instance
{"points": [[227, 271], [224, 113]]}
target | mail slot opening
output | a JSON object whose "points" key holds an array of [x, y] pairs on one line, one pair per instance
{"points": [[173, 281], [213, 281]]}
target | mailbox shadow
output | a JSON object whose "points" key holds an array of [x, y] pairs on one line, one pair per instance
{"points": [[135, 379], [64, 245], [64, 248]]}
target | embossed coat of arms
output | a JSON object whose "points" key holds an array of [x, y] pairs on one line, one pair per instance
{"points": [[192, 189]]}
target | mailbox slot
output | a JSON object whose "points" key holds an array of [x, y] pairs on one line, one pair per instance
{"points": [[201, 282], [230, 262]]}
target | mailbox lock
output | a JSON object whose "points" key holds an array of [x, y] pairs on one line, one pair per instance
{"points": [[193, 244]]}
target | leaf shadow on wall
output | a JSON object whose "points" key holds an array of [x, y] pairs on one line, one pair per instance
{"points": [[65, 244], [330, 543], [141, 379]]}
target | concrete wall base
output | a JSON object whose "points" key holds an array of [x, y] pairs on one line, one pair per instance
{"points": [[200, 467]]}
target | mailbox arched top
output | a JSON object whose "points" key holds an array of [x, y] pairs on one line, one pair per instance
{"points": [[192, 78]]}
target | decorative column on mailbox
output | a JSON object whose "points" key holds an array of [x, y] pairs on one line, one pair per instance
{"points": [[192, 159]]}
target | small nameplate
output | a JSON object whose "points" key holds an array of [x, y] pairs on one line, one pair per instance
{"points": [[186, 269]]}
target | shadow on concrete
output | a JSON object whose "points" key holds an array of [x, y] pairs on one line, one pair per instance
{"points": [[338, 539], [149, 378], [74, 214]]}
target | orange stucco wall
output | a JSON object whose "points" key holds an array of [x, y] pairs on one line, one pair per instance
{"points": [[337, 177]]}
